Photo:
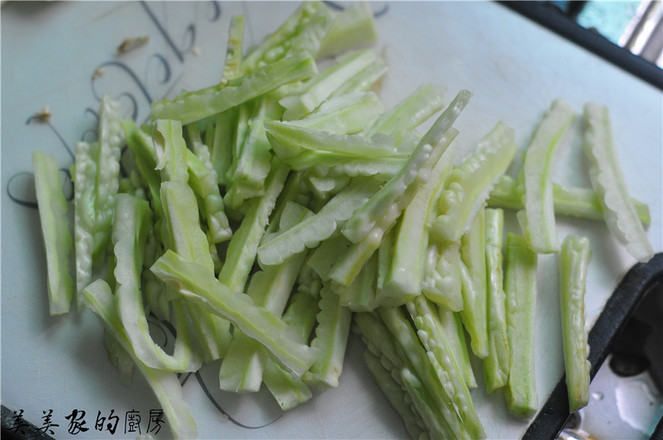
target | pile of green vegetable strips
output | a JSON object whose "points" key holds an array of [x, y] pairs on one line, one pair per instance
{"points": [[264, 215]]}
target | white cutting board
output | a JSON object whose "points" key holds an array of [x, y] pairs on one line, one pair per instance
{"points": [[514, 68]]}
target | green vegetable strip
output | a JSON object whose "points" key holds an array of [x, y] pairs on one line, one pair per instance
{"points": [[108, 170], [496, 364], [242, 367], [570, 201], [196, 283], [520, 290], [291, 141], [441, 282], [119, 357], [204, 182], [573, 262], [434, 340], [290, 391], [144, 157], [132, 219], [251, 161], [232, 67], [243, 246], [312, 230], [350, 28], [360, 296], [363, 80], [330, 341], [469, 184], [194, 106], [411, 247], [322, 258], [453, 329], [473, 285], [58, 242], [386, 199], [396, 396], [608, 181], [325, 186], [538, 218], [426, 368], [182, 221], [170, 150], [222, 145], [84, 213], [425, 406], [346, 114], [409, 113], [277, 44], [165, 385], [323, 85]]}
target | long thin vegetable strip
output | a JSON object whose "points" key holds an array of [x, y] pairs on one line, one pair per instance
{"points": [[232, 66], [243, 246], [608, 181], [473, 285], [221, 146], [346, 114], [204, 182], [58, 242], [170, 150], [144, 157], [406, 274], [323, 85], [537, 220], [425, 405], [573, 262], [312, 230], [364, 80], [242, 367], [132, 218], [455, 334], [195, 283], [570, 201], [290, 391], [363, 221], [194, 106], [469, 184], [252, 159], [409, 113], [433, 338], [330, 341], [165, 385], [426, 368], [496, 364], [352, 27], [108, 170], [396, 396], [520, 289], [361, 295], [84, 214]]}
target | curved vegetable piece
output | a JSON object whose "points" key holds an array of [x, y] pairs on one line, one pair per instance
{"points": [[469, 184], [132, 218], [165, 385], [537, 221], [573, 262], [608, 182], [520, 290], [58, 242], [194, 106], [496, 364], [197, 284]]}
